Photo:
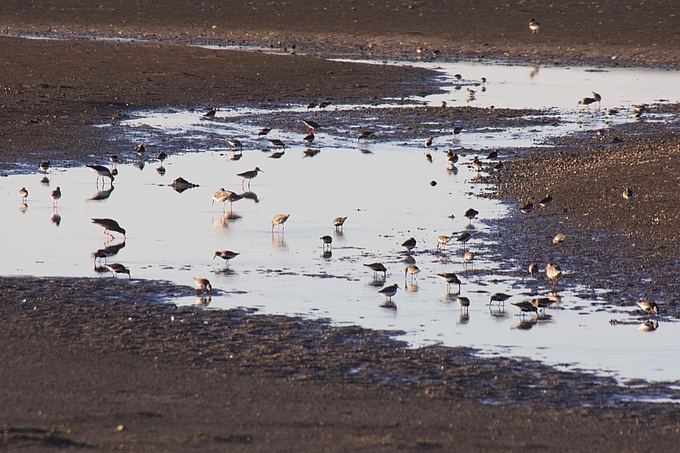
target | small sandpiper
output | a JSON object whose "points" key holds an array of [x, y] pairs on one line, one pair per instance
{"points": [[117, 268], [464, 303], [552, 271], [409, 244], [223, 196], [339, 222], [450, 278], [277, 143], [471, 214], [499, 297], [377, 267], [249, 175], [55, 195], [236, 144], [203, 283], [451, 156], [279, 220], [389, 291], [527, 207], [226, 255], [546, 201], [627, 193], [101, 171], [534, 26], [411, 270], [464, 238], [327, 243], [468, 257], [428, 142], [649, 307], [44, 166], [442, 241], [23, 193], [311, 126], [264, 131], [110, 225], [476, 164], [524, 307], [542, 303], [533, 269], [559, 237]]}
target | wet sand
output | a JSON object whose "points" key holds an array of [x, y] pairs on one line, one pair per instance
{"points": [[101, 364]]}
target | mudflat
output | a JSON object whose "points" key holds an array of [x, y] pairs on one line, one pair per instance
{"points": [[129, 373]]}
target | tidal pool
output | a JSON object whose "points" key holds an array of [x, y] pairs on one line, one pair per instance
{"points": [[386, 191]]}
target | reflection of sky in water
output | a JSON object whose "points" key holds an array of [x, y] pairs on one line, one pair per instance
{"points": [[387, 197]]}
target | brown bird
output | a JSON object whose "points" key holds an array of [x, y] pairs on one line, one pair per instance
{"points": [[339, 222], [534, 26], [377, 267], [279, 220], [203, 283], [117, 268], [110, 225]]}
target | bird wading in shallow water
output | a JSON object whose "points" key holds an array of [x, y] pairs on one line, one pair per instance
{"points": [[552, 272], [249, 175], [377, 267], [279, 220], [327, 243], [389, 291], [649, 307], [226, 255], [409, 244], [55, 195], [110, 225], [117, 268], [451, 279], [499, 297], [470, 214], [339, 222]]}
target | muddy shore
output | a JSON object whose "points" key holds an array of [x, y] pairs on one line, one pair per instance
{"points": [[104, 365]]}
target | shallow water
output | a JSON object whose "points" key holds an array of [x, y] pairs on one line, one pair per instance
{"points": [[386, 194]]}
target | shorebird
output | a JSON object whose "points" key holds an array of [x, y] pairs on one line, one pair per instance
{"points": [[597, 97], [464, 237], [428, 142], [264, 131], [161, 156], [533, 269], [140, 150], [546, 201], [339, 222], [649, 307], [464, 302], [499, 297], [311, 126], [377, 267], [468, 257], [55, 195], [210, 113], [249, 175], [226, 255], [442, 104], [524, 307], [587, 101], [552, 272], [203, 283], [627, 193], [323, 104], [366, 134], [534, 26], [277, 154], [476, 164], [327, 243], [411, 270], [559, 237], [23, 193], [236, 144], [470, 91], [492, 155], [277, 143], [309, 139], [451, 156], [442, 241], [527, 207], [109, 225], [44, 166], [279, 220], [470, 214], [541, 303], [117, 268], [101, 171], [389, 291], [409, 244], [450, 278], [456, 130]]}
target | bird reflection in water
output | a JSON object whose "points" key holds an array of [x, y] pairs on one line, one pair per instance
{"points": [[55, 218], [327, 254], [463, 319], [497, 311], [160, 170], [250, 196], [203, 301], [106, 252], [526, 323], [102, 194]]}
